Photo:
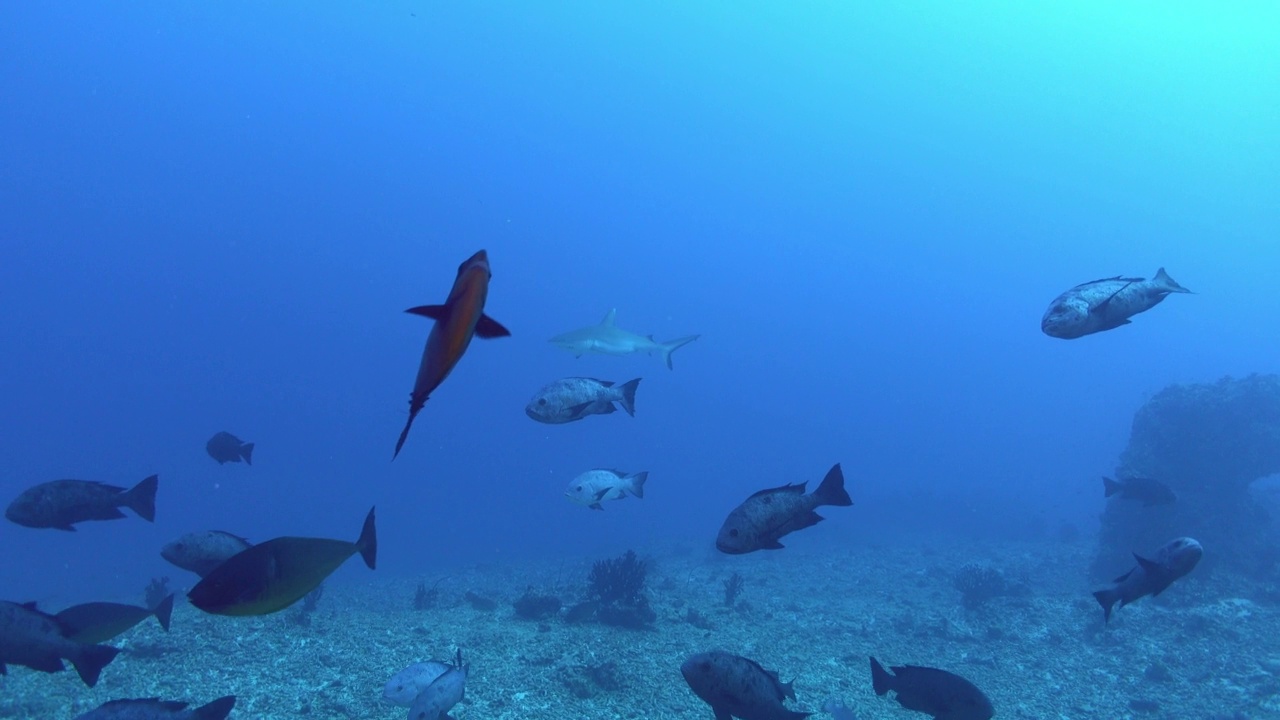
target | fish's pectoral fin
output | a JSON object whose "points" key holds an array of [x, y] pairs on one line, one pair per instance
{"points": [[577, 412], [1151, 567], [771, 545], [487, 327], [435, 312], [1112, 325], [596, 506]]}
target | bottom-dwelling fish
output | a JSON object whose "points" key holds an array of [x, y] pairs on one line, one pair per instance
{"points": [[157, 709], [737, 687], [1151, 577], [273, 575], [765, 517], [944, 695], [35, 639]]}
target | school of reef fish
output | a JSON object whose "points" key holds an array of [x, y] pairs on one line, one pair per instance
{"points": [[239, 578]]}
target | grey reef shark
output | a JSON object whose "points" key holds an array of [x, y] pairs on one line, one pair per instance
{"points": [[607, 338]]}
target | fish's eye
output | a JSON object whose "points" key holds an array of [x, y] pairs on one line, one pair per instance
{"points": [[733, 532], [542, 401], [579, 488]]}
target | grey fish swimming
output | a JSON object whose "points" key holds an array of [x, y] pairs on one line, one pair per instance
{"points": [[765, 517], [609, 339], [201, 552], [98, 622], [737, 687], [405, 686], [944, 695], [595, 486], [157, 709], [35, 639], [225, 447], [1150, 492], [1105, 304], [61, 504], [437, 699], [1151, 577], [573, 398]]}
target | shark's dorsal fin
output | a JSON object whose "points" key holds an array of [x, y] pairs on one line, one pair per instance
{"points": [[609, 318]]}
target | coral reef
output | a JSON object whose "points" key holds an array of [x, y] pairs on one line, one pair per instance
{"points": [[732, 587], [979, 584], [156, 591], [618, 586], [532, 606], [1208, 443]]}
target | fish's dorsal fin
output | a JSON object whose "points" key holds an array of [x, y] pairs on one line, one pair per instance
{"points": [[1148, 566], [609, 318], [797, 488]]}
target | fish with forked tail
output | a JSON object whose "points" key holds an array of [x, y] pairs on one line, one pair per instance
{"points": [[570, 399], [1105, 304], [607, 338], [595, 486], [157, 709], [61, 504], [227, 448], [36, 639], [98, 622], [460, 318], [1151, 576], [765, 517]]}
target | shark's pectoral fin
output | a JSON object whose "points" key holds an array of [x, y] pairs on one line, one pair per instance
{"points": [[435, 312], [487, 327]]}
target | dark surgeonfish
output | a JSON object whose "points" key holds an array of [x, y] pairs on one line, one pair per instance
{"points": [[98, 622], [60, 504], [1150, 492], [573, 398], [459, 319], [201, 552], [737, 687], [225, 447], [765, 517], [944, 695], [273, 575], [36, 639], [1105, 304], [157, 709], [1151, 577]]}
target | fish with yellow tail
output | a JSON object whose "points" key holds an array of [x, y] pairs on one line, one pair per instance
{"points": [[460, 318]]}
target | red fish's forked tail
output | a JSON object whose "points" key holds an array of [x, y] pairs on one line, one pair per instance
{"points": [[404, 434]]}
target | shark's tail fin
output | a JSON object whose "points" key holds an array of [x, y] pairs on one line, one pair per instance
{"points": [[1168, 283], [673, 345]]}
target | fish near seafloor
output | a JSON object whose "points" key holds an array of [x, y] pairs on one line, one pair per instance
{"points": [[61, 504], [735, 686], [609, 339], [438, 698], [765, 517], [1151, 577], [98, 622], [944, 695], [570, 399], [225, 447], [595, 486], [273, 575], [405, 686], [157, 709], [35, 639], [1105, 304], [201, 552], [1150, 492], [460, 318]]}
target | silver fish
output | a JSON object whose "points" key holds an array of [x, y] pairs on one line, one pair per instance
{"points": [[765, 517], [738, 687], [573, 398], [1151, 577], [405, 686], [609, 339], [595, 486], [201, 552], [1105, 304]]}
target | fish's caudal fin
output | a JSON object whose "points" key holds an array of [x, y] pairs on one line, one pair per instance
{"points": [[1107, 599], [673, 345], [831, 491], [217, 710], [487, 327], [881, 680], [246, 452], [636, 486], [404, 434], [1167, 282], [141, 498], [1110, 487], [367, 545], [628, 396], [90, 660], [164, 611]]}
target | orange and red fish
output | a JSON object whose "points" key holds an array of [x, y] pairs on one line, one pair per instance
{"points": [[459, 319]]}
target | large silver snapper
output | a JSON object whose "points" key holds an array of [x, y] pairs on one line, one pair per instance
{"points": [[405, 686], [573, 398], [1105, 304], [438, 698], [595, 486]]}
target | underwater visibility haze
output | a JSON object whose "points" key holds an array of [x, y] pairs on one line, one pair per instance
{"points": [[1008, 267]]}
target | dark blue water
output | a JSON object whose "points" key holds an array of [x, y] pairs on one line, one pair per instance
{"points": [[213, 216]]}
